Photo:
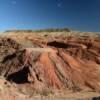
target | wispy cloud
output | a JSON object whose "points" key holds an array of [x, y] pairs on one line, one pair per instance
{"points": [[59, 5], [14, 2]]}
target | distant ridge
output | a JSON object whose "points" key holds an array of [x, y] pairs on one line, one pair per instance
{"points": [[42, 30]]}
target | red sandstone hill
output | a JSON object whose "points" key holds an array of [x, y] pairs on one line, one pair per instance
{"points": [[51, 62]]}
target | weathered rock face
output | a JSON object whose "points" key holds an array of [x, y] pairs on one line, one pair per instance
{"points": [[62, 63], [9, 52]]}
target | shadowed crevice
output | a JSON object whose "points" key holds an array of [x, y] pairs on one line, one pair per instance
{"points": [[57, 44], [19, 77]]}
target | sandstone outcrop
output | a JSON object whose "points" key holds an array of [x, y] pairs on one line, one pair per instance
{"points": [[62, 63]]}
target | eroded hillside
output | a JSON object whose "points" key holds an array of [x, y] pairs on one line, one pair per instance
{"points": [[55, 62]]}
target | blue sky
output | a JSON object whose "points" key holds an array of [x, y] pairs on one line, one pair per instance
{"points": [[82, 15]]}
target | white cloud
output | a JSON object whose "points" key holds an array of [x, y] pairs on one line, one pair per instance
{"points": [[14, 2], [59, 5]]}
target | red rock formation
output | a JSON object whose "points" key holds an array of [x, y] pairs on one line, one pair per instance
{"points": [[62, 63], [74, 64]]}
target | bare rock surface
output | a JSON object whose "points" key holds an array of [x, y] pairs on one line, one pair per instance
{"points": [[54, 63]]}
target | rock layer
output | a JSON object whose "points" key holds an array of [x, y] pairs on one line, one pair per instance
{"points": [[63, 63]]}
